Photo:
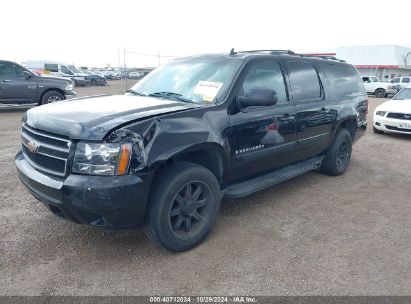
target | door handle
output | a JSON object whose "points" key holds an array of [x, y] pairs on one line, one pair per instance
{"points": [[325, 109], [286, 117], [6, 80]]}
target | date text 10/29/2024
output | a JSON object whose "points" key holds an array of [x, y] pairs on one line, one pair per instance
{"points": [[204, 299]]}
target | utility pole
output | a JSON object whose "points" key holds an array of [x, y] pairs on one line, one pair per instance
{"points": [[125, 72]]}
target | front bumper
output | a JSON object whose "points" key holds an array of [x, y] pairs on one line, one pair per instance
{"points": [[70, 94], [386, 124], [112, 202], [391, 91]]}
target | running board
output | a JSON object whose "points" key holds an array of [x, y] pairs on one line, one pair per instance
{"points": [[256, 184]]}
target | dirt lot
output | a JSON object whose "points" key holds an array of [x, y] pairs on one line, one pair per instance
{"points": [[313, 235]]}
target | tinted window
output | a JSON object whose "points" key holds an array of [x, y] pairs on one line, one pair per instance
{"points": [[266, 75], [304, 81], [406, 80], [343, 80], [51, 67], [10, 69], [366, 79]]}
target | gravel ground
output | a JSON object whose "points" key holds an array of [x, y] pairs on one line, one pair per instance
{"points": [[313, 235]]}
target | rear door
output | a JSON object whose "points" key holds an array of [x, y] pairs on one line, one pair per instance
{"points": [[314, 116], [15, 87], [262, 138]]}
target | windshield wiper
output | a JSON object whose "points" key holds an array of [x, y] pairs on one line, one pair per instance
{"points": [[135, 92], [170, 95]]}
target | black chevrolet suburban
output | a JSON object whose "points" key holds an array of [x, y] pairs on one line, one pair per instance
{"points": [[195, 130], [19, 85]]}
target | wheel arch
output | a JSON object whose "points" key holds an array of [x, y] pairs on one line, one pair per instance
{"points": [[208, 155], [349, 123]]}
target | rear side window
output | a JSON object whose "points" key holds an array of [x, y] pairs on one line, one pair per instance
{"points": [[405, 80], [304, 81], [343, 80]]}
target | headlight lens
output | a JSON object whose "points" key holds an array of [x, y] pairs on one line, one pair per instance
{"points": [[380, 113], [69, 87], [102, 158]]}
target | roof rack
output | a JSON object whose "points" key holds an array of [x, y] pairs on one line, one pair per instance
{"points": [[328, 57], [286, 52], [232, 52]]}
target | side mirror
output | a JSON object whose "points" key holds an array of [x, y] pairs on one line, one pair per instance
{"points": [[27, 74], [258, 97]]}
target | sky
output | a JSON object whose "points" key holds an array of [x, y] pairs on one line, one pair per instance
{"points": [[100, 33]]}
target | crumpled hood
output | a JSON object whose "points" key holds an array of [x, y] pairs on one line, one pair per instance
{"points": [[397, 106], [91, 118]]}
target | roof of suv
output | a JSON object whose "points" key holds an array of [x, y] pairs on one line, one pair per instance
{"points": [[243, 55]]}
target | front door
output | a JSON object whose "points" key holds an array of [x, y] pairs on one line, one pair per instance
{"points": [[262, 138], [15, 87]]}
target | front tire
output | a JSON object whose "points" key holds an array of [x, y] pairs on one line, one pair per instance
{"points": [[338, 156], [183, 207], [51, 96], [380, 93]]}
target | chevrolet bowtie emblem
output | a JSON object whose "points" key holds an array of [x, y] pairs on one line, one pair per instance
{"points": [[33, 147]]}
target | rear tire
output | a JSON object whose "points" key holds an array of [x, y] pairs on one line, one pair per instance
{"points": [[183, 207], [51, 96], [380, 93], [338, 156]]}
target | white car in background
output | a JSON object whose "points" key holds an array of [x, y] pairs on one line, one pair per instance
{"points": [[394, 115], [378, 88]]}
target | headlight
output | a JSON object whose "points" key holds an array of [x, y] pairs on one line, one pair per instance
{"points": [[69, 87], [102, 158], [380, 113]]}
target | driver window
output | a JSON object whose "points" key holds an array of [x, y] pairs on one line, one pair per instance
{"points": [[65, 70], [366, 79], [266, 75], [10, 70]]}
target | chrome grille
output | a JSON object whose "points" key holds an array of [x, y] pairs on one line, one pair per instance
{"points": [[51, 151]]}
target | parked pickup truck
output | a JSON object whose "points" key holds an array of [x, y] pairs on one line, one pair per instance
{"points": [[378, 88], [191, 132], [19, 85]]}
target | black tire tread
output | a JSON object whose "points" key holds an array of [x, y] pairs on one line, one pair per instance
{"points": [[329, 166], [47, 95], [164, 181]]}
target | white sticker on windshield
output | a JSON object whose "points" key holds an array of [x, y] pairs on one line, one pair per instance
{"points": [[207, 89]]}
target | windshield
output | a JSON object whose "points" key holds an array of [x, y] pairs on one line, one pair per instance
{"points": [[196, 80], [74, 69], [403, 94]]}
